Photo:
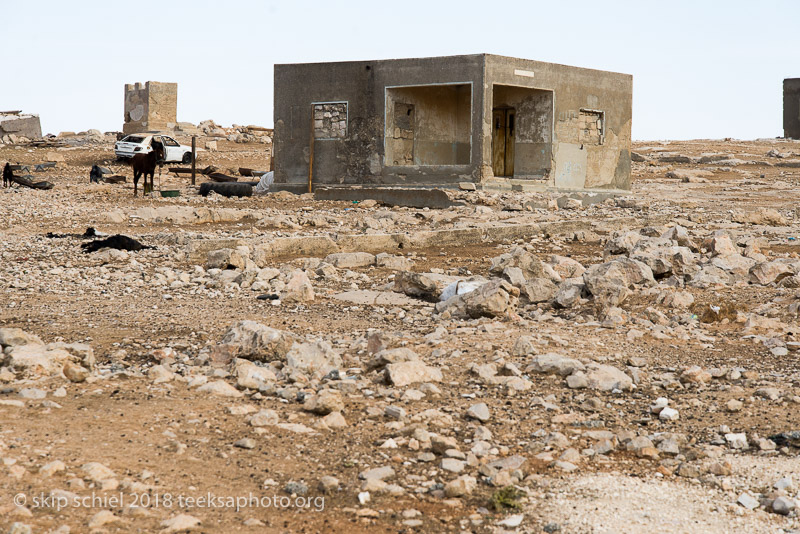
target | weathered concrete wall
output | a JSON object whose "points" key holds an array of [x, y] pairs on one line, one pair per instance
{"points": [[14, 125], [577, 163], [360, 156], [791, 108], [562, 137], [151, 107]]}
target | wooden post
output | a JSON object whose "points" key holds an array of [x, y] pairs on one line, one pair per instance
{"points": [[194, 155], [311, 151]]}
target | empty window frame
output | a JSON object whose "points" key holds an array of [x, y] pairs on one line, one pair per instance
{"points": [[592, 126], [428, 125], [330, 120]]}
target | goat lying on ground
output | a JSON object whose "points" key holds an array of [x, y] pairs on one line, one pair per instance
{"points": [[118, 241], [90, 232], [146, 164]]}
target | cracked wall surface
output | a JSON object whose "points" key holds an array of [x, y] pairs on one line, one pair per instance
{"points": [[152, 107]]}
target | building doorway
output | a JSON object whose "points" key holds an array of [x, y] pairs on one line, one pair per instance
{"points": [[503, 135], [522, 132]]}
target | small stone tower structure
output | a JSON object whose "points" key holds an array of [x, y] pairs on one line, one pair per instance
{"points": [[149, 108]]}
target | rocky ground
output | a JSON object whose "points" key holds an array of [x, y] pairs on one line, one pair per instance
{"points": [[519, 362]]}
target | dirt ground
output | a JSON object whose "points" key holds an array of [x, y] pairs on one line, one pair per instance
{"points": [[171, 443]]}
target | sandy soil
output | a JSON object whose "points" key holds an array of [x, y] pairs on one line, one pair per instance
{"points": [[167, 440]]}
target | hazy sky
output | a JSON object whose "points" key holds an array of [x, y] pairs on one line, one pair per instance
{"points": [[701, 69]]}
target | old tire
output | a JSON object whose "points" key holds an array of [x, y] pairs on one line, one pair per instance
{"points": [[227, 189], [187, 158]]}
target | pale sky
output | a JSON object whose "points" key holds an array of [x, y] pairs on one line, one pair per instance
{"points": [[701, 69]]}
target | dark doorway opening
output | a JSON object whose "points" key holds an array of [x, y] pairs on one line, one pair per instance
{"points": [[503, 134]]}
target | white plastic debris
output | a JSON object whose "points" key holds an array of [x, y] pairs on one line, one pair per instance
{"points": [[264, 183], [459, 288]]}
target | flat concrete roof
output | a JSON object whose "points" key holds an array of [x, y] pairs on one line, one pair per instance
{"points": [[464, 56]]}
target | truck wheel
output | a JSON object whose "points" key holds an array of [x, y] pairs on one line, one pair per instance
{"points": [[187, 157]]}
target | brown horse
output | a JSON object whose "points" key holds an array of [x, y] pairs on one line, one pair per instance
{"points": [[146, 164]]}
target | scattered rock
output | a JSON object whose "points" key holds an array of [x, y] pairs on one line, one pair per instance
{"points": [[324, 402], [497, 298], [461, 486], [255, 341], [317, 358], [479, 411], [411, 372], [179, 523], [220, 388]]}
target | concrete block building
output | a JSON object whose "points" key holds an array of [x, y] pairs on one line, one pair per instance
{"points": [[791, 108], [152, 107], [486, 119]]}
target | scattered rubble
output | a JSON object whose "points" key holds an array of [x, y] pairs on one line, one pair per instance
{"points": [[281, 345]]}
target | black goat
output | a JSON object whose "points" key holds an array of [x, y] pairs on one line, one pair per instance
{"points": [[7, 175], [90, 232], [95, 175], [118, 241], [9, 178], [146, 164]]}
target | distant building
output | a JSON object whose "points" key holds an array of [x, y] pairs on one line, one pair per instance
{"points": [[153, 107], [487, 119], [15, 124], [791, 108]]}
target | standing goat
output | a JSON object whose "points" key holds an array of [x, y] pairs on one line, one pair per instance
{"points": [[146, 164], [7, 175]]}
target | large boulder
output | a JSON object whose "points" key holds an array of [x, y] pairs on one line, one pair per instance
{"points": [[387, 356], [83, 352], [529, 265], [324, 402], [762, 216], [552, 363], [622, 244], [569, 293], [255, 341], [660, 264], [721, 244], [427, 286], [11, 337], [252, 376], [34, 361], [710, 275], [680, 235], [538, 290], [736, 264], [497, 298], [317, 358], [610, 282], [565, 267], [773, 271], [600, 377], [227, 258], [299, 288], [411, 372], [662, 255]]}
